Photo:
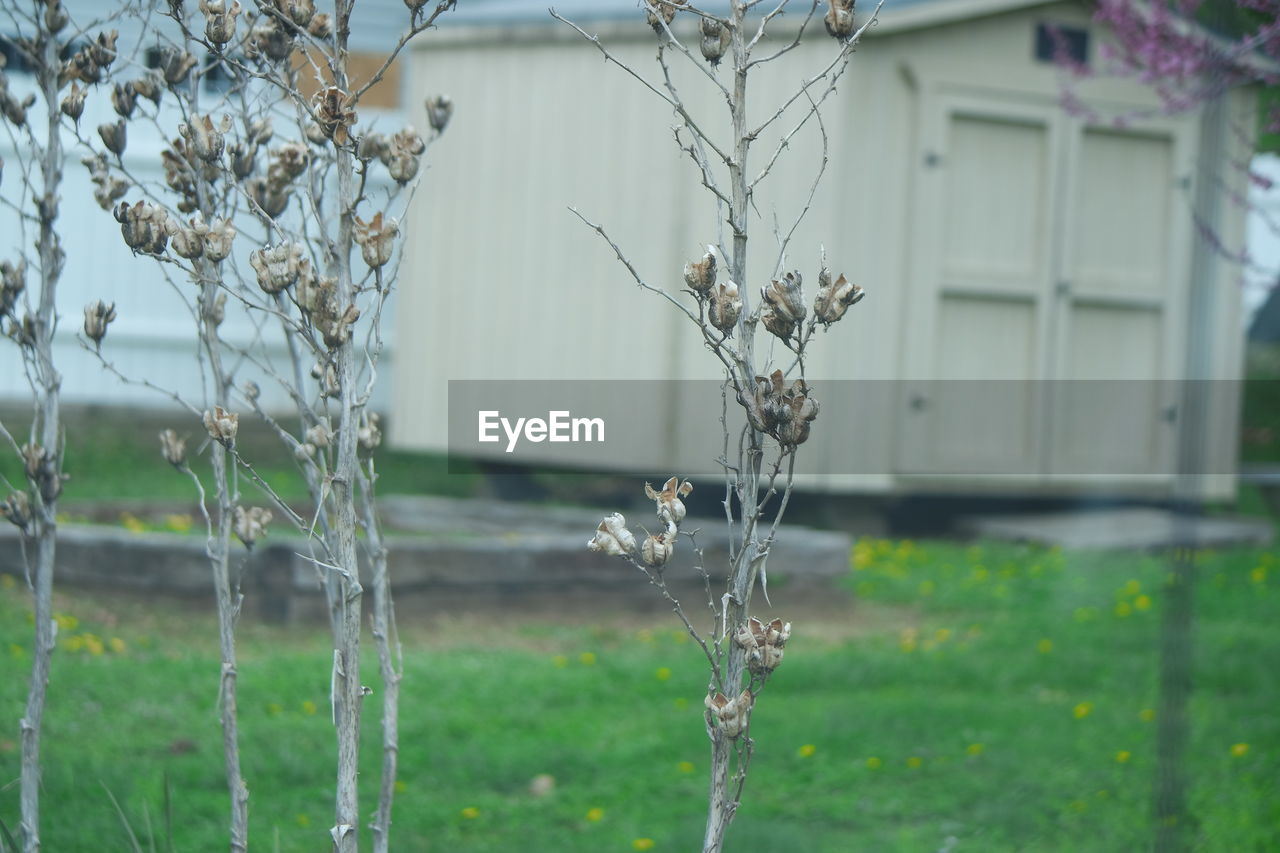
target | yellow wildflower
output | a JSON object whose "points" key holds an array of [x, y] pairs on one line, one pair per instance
{"points": [[807, 750], [663, 673], [685, 767], [1123, 756], [642, 844], [1082, 710], [914, 761], [595, 815], [470, 813], [874, 763], [309, 708], [1239, 750], [1044, 646], [587, 658], [974, 749]]}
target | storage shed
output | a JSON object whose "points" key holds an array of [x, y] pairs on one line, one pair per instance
{"points": [[1031, 271]]}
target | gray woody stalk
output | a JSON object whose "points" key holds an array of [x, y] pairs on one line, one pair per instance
{"points": [[40, 33], [278, 221], [778, 405]]}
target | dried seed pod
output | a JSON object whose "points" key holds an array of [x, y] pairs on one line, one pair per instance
{"points": [[273, 198], [763, 643], [17, 510], [612, 537], [206, 140], [251, 525], [415, 5], [222, 426], [41, 467], [335, 114], [269, 41], [187, 242], [97, 316], [147, 87], [730, 715], [114, 137], [243, 157], [299, 12], [251, 391], [725, 307], [319, 435], [376, 239], [374, 146], [783, 305], [439, 111], [660, 13], [218, 310], [123, 100], [72, 105], [370, 434], [336, 331], [102, 51], [144, 226], [277, 267], [839, 19], [218, 239], [173, 449], [658, 548], [321, 26], [715, 40], [701, 275], [288, 162], [13, 280], [219, 20], [176, 65], [834, 298], [671, 509], [55, 17]]}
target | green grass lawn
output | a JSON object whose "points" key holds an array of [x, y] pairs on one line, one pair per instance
{"points": [[1000, 696]]}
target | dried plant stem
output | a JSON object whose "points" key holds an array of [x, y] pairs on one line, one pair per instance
{"points": [[227, 592], [46, 385], [390, 658]]}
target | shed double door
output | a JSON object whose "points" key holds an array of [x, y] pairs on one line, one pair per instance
{"points": [[1048, 282]]}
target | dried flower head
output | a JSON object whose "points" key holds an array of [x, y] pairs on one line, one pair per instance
{"points": [[173, 449], [321, 26], [834, 298], [219, 20], [97, 316], [671, 509], [370, 433], [17, 510], [660, 13], [612, 537], [288, 162], [763, 643], [114, 137], [839, 19], [73, 102], [270, 41], [147, 86], [376, 238], [783, 305], [658, 548], [187, 242], [218, 310], [41, 467], [725, 307], [176, 65], [144, 226], [251, 391], [335, 114], [204, 138], [277, 267], [222, 426], [251, 524], [13, 280], [319, 434], [123, 100], [108, 189], [218, 238], [714, 40], [729, 715], [701, 275], [269, 195], [299, 12], [439, 111]]}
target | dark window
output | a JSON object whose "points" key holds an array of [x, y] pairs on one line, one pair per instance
{"points": [[154, 57], [15, 59], [1060, 43]]}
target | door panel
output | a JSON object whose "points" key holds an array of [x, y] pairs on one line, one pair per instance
{"points": [[980, 278]]}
